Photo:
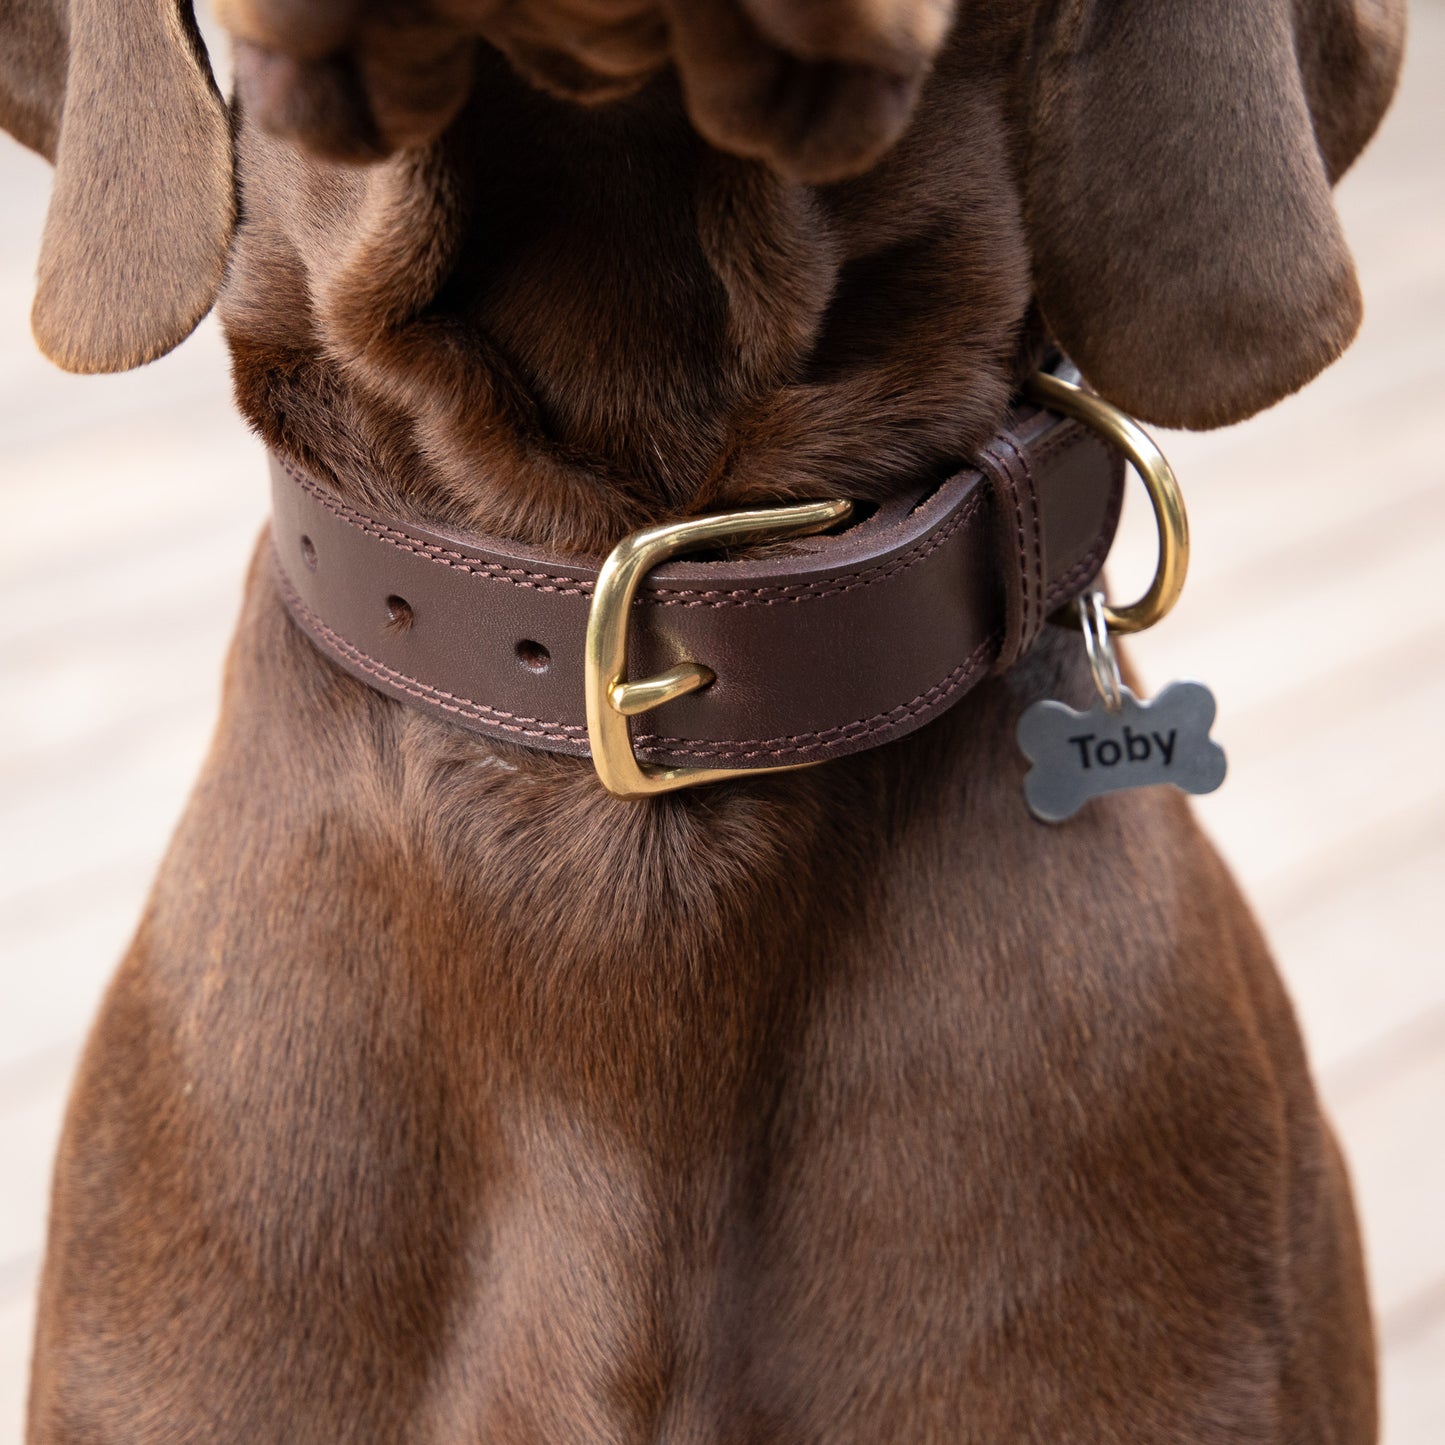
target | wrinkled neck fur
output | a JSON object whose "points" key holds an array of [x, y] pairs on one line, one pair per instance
{"points": [[560, 322]]}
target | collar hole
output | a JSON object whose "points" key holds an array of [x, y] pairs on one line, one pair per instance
{"points": [[399, 615]]}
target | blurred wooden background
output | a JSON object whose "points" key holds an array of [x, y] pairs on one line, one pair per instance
{"points": [[1316, 610]]}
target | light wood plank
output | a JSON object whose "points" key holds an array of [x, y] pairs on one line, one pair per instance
{"points": [[1414, 1388]]}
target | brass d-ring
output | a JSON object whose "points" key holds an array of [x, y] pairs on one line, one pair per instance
{"points": [[1123, 432]]}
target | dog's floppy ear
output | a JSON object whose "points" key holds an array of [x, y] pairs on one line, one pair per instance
{"points": [[119, 95], [1186, 250]]}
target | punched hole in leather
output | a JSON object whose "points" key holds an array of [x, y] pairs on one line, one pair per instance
{"points": [[399, 616], [835, 644]]}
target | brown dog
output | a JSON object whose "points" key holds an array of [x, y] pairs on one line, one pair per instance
{"points": [[444, 1097]]}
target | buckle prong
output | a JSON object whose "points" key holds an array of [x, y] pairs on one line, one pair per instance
{"points": [[631, 698], [611, 697]]}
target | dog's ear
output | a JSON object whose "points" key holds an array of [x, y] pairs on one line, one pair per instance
{"points": [[119, 95], [1180, 155]]}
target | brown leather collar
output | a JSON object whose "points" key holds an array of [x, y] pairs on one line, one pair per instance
{"points": [[846, 642]]}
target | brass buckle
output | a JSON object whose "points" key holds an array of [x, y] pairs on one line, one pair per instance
{"points": [[611, 697], [1123, 432]]}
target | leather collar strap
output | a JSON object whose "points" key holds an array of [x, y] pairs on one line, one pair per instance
{"points": [[844, 642]]}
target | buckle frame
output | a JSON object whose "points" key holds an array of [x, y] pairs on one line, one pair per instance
{"points": [[611, 697]]}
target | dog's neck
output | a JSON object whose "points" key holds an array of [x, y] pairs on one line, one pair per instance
{"points": [[560, 323]]}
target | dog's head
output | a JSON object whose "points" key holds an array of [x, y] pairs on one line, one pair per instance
{"points": [[816, 88], [1174, 161]]}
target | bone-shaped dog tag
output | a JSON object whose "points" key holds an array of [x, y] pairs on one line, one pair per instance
{"points": [[1080, 755]]}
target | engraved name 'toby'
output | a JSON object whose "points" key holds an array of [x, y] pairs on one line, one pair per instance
{"points": [[1137, 747]]}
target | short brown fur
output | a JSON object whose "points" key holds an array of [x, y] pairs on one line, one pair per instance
{"points": [[442, 1097]]}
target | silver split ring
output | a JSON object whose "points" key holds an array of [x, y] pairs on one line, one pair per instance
{"points": [[1103, 660]]}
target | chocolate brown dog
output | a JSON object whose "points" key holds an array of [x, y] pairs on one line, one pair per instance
{"points": [[444, 1097]]}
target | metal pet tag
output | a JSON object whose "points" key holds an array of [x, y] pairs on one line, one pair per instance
{"points": [[1119, 743], [1081, 755]]}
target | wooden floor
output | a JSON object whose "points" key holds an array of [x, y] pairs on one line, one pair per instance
{"points": [[1316, 609]]}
